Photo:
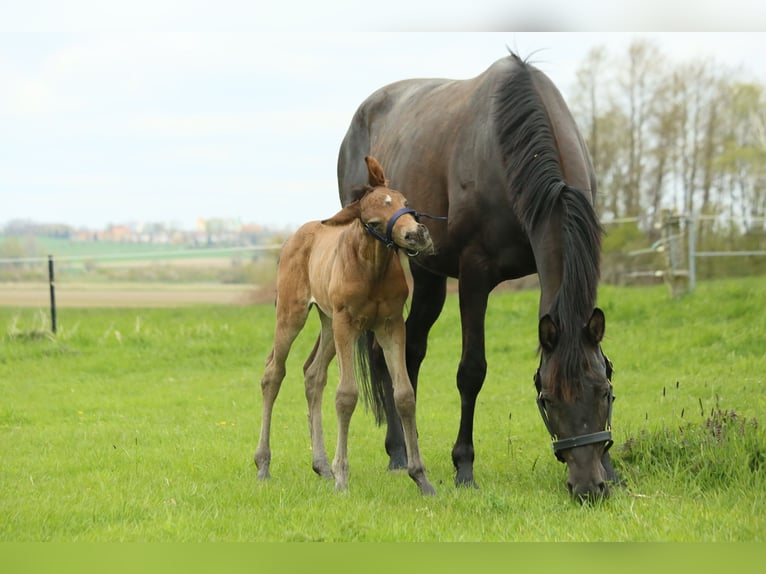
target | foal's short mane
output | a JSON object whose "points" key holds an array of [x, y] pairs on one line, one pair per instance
{"points": [[533, 171]]}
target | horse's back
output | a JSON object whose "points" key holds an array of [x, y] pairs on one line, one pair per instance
{"points": [[425, 127], [435, 137], [440, 141], [411, 125]]}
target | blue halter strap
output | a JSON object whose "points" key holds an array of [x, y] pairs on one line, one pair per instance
{"points": [[388, 239]]}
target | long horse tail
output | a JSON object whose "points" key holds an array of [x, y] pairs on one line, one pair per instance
{"points": [[372, 375], [532, 163]]}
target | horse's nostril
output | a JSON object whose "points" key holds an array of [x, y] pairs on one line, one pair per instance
{"points": [[414, 236]]}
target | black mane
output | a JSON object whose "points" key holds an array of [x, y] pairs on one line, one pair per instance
{"points": [[536, 183]]}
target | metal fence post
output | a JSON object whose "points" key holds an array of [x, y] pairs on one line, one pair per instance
{"points": [[53, 293], [691, 239]]}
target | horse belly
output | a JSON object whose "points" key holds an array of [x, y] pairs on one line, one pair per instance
{"points": [[321, 265]]}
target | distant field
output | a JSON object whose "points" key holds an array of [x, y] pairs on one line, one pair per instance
{"points": [[130, 294]]}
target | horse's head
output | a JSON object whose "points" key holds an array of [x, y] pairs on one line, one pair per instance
{"points": [[575, 399], [385, 214]]}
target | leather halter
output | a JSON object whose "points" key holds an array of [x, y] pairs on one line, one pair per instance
{"points": [[388, 239], [604, 436]]}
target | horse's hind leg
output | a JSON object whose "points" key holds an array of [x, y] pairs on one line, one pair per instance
{"points": [[392, 337], [315, 376], [270, 384], [289, 324]]}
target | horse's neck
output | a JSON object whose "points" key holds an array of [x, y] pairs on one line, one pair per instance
{"points": [[547, 249], [369, 256]]}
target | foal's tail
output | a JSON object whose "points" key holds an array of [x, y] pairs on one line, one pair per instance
{"points": [[372, 374]]}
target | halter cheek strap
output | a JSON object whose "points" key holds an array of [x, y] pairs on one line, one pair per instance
{"points": [[388, 239], [604, 436]]}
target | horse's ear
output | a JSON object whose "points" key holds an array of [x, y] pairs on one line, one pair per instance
{"points": [[596, 326], [548, 333], [376, 176], [346, 215]]}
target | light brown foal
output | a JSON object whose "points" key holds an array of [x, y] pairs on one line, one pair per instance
{"points": [[347, 266]]}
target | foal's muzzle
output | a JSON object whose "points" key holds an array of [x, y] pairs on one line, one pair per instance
{"points": [[388, 238]]}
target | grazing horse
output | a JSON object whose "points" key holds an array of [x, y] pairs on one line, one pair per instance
{"points": [[501, 156], [348, 267]]}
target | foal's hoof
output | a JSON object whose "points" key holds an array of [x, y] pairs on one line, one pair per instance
{"points": [[427, 489], [341, 487], [324, 471], [263, 474], [262, 463]]}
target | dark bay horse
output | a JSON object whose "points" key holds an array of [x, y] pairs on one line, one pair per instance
{"points": [[501, 156], [348, 268]]}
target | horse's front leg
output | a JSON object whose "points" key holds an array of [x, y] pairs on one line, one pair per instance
{"points": [[472, 370], [346, 394], [428, 296], [392, 339]]}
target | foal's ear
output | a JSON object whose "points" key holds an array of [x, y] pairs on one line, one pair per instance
{"points": [[596, 326], [376, 176], [346, 215], [548, 333]]}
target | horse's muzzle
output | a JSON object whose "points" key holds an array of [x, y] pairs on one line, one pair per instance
{"points": [[419, 241], [586, 483]]}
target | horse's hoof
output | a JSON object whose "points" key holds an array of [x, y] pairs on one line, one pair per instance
{"points": [[465, 481], [398, 462]]}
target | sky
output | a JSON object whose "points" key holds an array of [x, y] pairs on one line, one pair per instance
{"points": [[168, 111]]}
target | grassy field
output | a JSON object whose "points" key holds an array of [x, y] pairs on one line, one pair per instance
{"points": [[140, 424]]}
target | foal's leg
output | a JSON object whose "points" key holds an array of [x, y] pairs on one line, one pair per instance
{"points": [[345, 396], [290, 321], [391, 337], [428, 295], [315, 376]]}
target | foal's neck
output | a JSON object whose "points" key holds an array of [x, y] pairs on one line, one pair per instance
{"points": [[372, 256]]}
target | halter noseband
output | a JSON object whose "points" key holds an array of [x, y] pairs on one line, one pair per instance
{"points": [[604, 436], [388, 239]]}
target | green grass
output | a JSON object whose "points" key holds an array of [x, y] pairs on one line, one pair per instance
{"points": [[140, 425]]}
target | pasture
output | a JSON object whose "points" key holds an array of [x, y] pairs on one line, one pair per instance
{"points": [[139, 424]]}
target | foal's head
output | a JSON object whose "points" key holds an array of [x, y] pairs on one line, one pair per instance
{"points": [[385, 214]]}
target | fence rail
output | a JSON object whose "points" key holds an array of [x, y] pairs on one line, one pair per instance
{"points": [[679, 244]]}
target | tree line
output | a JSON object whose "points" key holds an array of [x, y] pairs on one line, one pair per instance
{"points": [[688, 136]]}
